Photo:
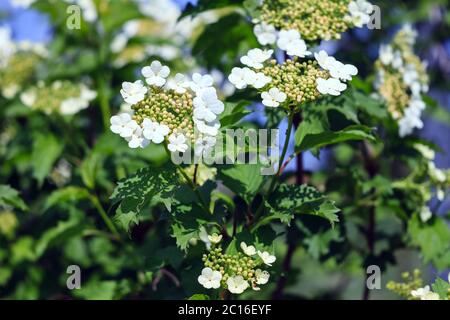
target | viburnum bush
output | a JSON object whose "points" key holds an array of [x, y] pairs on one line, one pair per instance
{"points": [[167, 153]]}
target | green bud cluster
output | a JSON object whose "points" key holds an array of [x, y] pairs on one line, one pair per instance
{"points": [[411, 281], [167, 107], [296, 79], [48, 98], [18, 72], [230, 265], [314, 19]]}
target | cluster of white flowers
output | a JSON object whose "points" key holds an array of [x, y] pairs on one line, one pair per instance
{"points": [[359, 12], [235, 272], [206, 109], [399, 59], [291, 42]]}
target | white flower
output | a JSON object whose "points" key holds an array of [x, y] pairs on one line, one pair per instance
{"points": [[203, 145], [420, 292], [285, 37], [266, 257], [210, 279], [386, 54], [397, 62], [410, 75], [133, 92], [200, 82], [177, 143], [119, 122], [203, 235], [242, 77], [425, 214], [207, 106], [208, 128], [28, 98], [273, 98], [297, 48], [237, 284], [436, 173], [133, 134], [248, 250], [341, 71], [260, 80], [410, 34], [324, 60], [262, 277], [131, 28], [360, 11], [156, 73], [154, 131], [179, 84], [430, 296], [71, 106], [256, 57], [330, 86], [426, 151], [265, 33], [215, 238], [410, 121]]}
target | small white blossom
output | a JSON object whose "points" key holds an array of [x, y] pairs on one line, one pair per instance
{"points": [[215, 238], [255, 58], [177, 143], [200, 82], [207, 128], [410, 121], [430, 296], [360, 11], [133, 134], [262, 277], [203, 235], [242, 77], [207, 106], [156, 73], [154, 131], [341, 71], [265, 33], [330, 86], [420, 292], [133, 92], [386, 54], [273, 97], [297, 48], [285, 37], [119, 122], [237, 284], [266, 257], [324, 60], [425, 214], [179, 84], [260, 80], [410, 75], [119, 43], [203, 145], [210, 279], [436, 173], [248, 250]]}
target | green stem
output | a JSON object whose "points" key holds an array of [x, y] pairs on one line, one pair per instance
{"points": [[104, 101], [96, 202], [275, 177]]}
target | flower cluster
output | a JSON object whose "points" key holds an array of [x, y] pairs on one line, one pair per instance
{"points": [[314, 19], [293, 82], [63, 97], [235, 272], [177, 110], [18, 61], [401, 79], [412, 288]]}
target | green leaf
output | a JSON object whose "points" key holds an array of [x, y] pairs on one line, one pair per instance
{"points": [[10, 197], [199, 296], [367, 104], [441, 287], [243, 179], [126, 220], [46, 150], [319, 140], [90, 168], [97, 290], [233, 113], [146, 184], [65, 195], [293, 199], [433, 239]]}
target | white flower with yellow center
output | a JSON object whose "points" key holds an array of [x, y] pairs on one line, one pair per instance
{"points": [[341, 71], [237, 284], [156, 73], [248, 250], [133, 92], [267, 258], [255, 58], [330, 86], [177, 143], [286, 37], [273, 98], [215, 238], [210, 279], [201, 82], [207, 106], [154, 131], [265, 33], [262, 277]]}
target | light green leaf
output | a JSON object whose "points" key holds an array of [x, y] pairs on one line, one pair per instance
{"points": [[66, 195], [441, 287], [10, 197], [199, 296], [46, 150], [243, 179]]}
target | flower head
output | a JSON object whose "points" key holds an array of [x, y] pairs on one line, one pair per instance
{"points": [[266, 257], [156, 73], [248, 250], [210, 279], [237, 284]]}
